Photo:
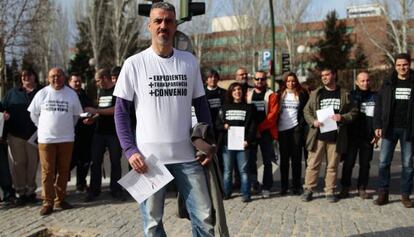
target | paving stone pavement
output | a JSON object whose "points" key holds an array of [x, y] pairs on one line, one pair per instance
{"points": [[276, 216]]}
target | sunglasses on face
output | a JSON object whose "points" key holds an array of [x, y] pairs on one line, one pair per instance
{"points": [[260, 79]]}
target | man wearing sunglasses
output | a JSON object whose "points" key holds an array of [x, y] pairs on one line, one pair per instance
{"points": [[267, 107]]}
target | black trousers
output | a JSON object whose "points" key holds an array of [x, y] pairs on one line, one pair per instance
{"points": [[364, 150], [81, 157], [290, 145]]}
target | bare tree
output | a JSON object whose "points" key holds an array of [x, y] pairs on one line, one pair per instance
{"points": [[16, 16], [97, 20], [396, 15], [289, 14], [252, 23], [124, 27]]}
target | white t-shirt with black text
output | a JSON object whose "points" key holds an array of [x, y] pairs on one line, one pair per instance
{"points": [[162, 90], [57, 111]]}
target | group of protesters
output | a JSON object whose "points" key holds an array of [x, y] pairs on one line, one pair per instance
{"points": [[289, 118]]}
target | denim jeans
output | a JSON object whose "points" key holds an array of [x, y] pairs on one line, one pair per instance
{"points": [[191, 182], [99, 144], [387, 152], [268, 154], [229, 158]]}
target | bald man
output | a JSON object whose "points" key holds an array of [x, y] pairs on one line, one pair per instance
{"points": [[361, 138], [55, 110]]}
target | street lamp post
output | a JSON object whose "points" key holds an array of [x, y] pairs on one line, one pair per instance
{"points": [[301, 50], [272, 65]]}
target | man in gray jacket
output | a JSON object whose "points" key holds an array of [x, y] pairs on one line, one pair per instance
{"points": [[330, 144]]}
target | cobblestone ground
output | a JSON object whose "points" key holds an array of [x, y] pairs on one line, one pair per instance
{"points": [[276, 216]]}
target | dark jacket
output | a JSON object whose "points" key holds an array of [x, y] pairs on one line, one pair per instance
{"points": [[384, 106], [362, 128], [16, 102], [248, 121], [347, 110]]}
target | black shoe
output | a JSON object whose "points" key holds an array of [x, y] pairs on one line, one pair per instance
{"points": [[255, 188], [32, 199], [21, 201], [307, 196], [283, 192], [90, 197], [297, 191], [81, 188], [331, 198], [118, 195], [246, 199], [9, 202]]}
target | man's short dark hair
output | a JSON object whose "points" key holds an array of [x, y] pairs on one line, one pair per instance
{"points": [[115, 71], [405, 56], [164, 6], [331, 69]]}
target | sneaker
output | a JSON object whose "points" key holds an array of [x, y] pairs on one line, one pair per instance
{"points": [[331, 198], [306, 196], [46, 210], [9, 202], [81, 188], [405, 200], [63, 205], [265, 193]]}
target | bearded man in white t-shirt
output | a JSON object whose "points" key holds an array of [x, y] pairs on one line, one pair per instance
{"points": [[163, 83], [55, 110]]}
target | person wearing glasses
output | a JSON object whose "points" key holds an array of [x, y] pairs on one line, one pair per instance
{"points": [[267, 107], [242, 77], [291, 125]]}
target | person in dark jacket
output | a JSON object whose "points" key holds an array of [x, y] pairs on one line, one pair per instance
{"points": [[393, 122], [236, 112], [361, 138], [81, 156], [215, 97], [291, 125], [23, 156]]}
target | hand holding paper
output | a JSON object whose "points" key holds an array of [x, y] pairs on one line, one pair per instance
{"points": [[325, 116]]}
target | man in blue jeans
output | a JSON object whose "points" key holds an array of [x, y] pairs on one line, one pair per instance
{"points": [[161, 83], [393, 122]]}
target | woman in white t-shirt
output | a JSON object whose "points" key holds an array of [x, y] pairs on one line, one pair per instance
{"points": [[291, 131]]}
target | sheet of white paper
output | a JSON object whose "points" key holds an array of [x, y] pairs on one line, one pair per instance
{"points": [[1, 124], [235, 138], [33, 139], [142, 186], [369, 111], [324, 116], [194, 120]]}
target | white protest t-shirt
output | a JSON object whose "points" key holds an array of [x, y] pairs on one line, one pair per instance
{"points": [[288, 112], [162, 90], [56, 110]]}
